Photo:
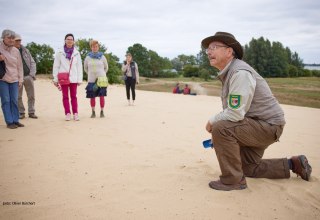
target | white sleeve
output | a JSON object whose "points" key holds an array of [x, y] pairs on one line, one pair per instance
{"points": [[241, 90], [105, 63], [80, 70], [56, 67], [85, 65], [124, 68]]}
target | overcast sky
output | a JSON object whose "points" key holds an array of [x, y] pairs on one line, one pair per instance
{"points": [[169, 27]]}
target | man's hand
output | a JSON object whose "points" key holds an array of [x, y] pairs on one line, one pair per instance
{"points": [[209, 127], [20, 84]]}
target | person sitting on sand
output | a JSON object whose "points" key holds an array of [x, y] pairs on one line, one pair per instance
{"points": [[176, 89], [187, 90]]}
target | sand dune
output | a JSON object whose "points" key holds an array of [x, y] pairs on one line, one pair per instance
{"points": [[143, 162]]}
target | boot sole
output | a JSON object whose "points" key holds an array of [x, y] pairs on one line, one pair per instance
{"points": [[305, 165]]}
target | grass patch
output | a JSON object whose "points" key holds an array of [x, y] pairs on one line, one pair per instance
{"points": [[303, 91]]}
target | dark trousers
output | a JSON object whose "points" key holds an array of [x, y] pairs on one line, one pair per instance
{"points": [[131, 84], [239, 147]]}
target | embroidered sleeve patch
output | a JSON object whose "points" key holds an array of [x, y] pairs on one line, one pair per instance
{"points": [[234, 101]]}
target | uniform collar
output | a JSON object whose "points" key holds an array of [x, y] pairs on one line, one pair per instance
{"points": [[223, 73]]}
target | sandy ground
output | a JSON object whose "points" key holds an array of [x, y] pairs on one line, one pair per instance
{"points": [[143, 162]]}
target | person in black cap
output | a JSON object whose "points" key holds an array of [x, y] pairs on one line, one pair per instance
{"points": [[251, 120], [29, 72]]}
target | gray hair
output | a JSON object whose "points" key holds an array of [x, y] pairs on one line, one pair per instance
{"points": [[234, 54], [8, 33]]}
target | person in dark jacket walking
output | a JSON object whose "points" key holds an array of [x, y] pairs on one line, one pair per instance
{"points": [[131, 77]]}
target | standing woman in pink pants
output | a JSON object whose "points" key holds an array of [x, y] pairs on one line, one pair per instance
{"points": [[69, 60]]}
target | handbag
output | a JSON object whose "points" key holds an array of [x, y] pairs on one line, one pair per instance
{"points": [[95, 88], [2, 69], [63, 77], [102, 81]]}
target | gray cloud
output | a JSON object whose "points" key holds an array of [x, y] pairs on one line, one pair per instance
{"points": [[169, 27]]}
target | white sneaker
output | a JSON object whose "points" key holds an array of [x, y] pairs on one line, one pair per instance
{"points": [[129, 103], [68, 117], [76, 117]]}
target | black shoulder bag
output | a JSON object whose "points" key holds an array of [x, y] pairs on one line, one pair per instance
{"points": [[2, 69]]}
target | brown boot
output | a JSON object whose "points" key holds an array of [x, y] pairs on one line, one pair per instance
{"points": [[18, 124], [12, 126], [301, 167], [218, 185], [93, 114], [32, 115]]}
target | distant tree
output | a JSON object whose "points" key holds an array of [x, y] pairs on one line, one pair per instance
{"points": [[279, 61], [258, 54], [204, 74], [177, 64], [272, 59], [154, 63], [190, 71], [315, 73], [140, 54], [114, 71], [166, 63], [306, 73], [43, 56], [293, 71], [187, 60], [294, 59], [157, 63], [83, 46], [149, 62], [297, 62]]}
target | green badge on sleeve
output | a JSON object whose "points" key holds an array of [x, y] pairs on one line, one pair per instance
{"points": [[234, 101]]}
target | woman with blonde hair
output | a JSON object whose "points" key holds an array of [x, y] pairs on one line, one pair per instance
{"points": [[96, 66]]}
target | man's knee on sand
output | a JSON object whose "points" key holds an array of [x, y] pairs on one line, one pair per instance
{"points": [[220, 129]]}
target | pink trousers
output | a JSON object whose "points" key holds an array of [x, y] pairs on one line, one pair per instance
{"points": [[72, 87], [93, 102]]}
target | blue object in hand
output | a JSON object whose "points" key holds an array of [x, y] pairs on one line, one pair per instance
{"points": [[207, 143]]}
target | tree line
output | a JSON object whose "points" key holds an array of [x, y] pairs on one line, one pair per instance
{"points": [[270, 59]]}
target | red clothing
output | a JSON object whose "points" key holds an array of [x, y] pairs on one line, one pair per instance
{"points": [[186, 91], [174, 90]]}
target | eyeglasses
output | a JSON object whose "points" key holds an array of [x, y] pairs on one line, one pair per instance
{"points": [[69, 39], [214, 47]]}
